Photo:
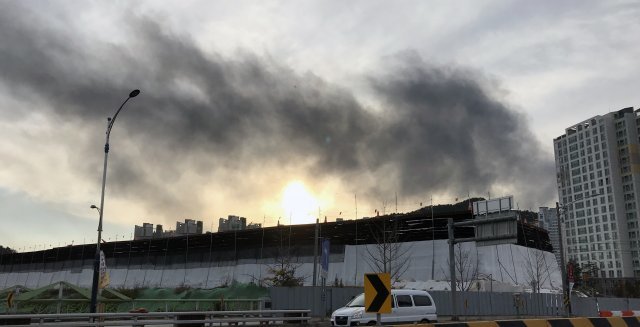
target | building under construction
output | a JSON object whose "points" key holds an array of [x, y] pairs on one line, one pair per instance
{"points": [[214, 259]]}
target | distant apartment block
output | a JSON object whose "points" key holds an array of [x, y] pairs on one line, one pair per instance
{"points": [[598, 173], [235, 223], [147, 231], [548, 219], [188, 227], [232, 223]]}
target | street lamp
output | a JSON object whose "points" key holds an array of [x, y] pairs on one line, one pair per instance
{"points": [[93, 206], [96, 264]]}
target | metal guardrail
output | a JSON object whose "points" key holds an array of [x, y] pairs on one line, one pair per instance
{"points": [[159, 318], [59, 306]]}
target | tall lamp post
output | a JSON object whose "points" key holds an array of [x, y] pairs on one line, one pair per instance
{"points": [[96, 264]]}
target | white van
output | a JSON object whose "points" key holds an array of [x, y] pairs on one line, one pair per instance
{"points": [[407, 306]]}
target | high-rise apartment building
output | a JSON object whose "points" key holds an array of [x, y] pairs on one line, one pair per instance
{"points": [[598, 173], [189, 227], [548, 219], [232, 223]]}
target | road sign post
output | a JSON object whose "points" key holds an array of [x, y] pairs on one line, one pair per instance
{"points": [[377, 294]]}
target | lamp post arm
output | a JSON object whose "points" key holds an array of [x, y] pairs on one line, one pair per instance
{"points": [[112, 121]]}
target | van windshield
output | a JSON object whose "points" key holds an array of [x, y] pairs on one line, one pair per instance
{"points": [[358, 301]]}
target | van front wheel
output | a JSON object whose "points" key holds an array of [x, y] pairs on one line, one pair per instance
{"points": [[424, 321], [371, 323]]}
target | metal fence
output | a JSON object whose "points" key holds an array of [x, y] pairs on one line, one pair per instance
{"points": [[499, 304], [199, 318], [468, 303], [321, 303], [69, 306]]}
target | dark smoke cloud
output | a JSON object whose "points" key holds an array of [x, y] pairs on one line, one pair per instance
{"points": [[440, 130]]}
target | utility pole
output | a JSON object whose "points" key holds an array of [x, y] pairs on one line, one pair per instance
{"points": [[452, 269], [433, 243], [315, 252], [563, 264]]}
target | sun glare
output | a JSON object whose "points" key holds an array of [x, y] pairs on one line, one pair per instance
{"points": [[299, 204]]}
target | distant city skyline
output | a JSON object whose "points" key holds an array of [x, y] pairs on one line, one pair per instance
{"points": [[293, 110]]}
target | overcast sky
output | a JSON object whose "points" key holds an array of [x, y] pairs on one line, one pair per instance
{"points": [[359, 102]]}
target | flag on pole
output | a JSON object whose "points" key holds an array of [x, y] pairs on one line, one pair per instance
{"points": [[104, 275], [326, 245]]}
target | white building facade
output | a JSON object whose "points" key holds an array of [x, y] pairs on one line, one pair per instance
{"points": [[598, 171]]}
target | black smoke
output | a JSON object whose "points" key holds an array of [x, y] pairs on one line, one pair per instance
{"points": [[439, 129]]}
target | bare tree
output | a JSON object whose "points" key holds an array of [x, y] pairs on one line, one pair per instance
{"points": [[388, 254], [466, 268], [536, 269], [283, 272]]}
